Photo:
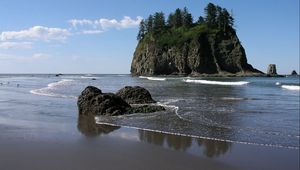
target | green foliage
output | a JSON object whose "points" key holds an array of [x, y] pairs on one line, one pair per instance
{"points": [[180, 28]]}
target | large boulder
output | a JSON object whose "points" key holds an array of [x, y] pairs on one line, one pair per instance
{"points": [[93, 102], [135, 95]]}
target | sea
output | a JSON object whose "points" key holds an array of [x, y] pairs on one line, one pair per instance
{"points": [[249, 110]]}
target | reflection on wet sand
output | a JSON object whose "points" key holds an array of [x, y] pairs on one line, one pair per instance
{"points": [[211, 148], [87, 126]]}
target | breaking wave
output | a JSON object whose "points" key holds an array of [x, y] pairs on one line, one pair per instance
{"points": [[48, 91], [153, 78], [291, 87], [237, 83]]}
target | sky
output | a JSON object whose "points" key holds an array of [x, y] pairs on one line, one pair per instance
{"points": [[96, 36]]}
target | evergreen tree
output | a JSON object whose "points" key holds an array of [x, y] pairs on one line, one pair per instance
{"points": [[171, 20], [187, 18], [211, 14], [159, 21], [200, 20], [149, 23], [142, 30], [178, 18]]}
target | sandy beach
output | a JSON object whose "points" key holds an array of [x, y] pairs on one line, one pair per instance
{"points": [[104, 147]]}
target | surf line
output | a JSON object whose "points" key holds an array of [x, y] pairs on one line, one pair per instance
{"points": [[175, 108], [196, 137]]}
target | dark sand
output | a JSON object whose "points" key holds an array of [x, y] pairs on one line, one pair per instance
{"points": [[104, 147]]}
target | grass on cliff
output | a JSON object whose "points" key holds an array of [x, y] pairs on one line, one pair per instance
{"points": [[176, 36]]}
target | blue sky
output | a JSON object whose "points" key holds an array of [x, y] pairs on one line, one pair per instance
{"points": [[95, 36]]}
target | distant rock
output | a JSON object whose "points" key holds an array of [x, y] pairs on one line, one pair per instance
{"points": [[57, 75], [294, 73], [272, 70], [93, 102], [135, 95]]}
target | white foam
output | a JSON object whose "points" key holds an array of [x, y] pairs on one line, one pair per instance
{"points": [[46, 91], [237, 83], [232, 98], [88, 77], [291, 87], [278, 83], [153, 78]]}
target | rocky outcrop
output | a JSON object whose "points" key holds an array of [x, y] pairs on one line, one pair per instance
{"points": [[208, 53], [135, 95], [272, 70], [93, 102], [294, 73]]}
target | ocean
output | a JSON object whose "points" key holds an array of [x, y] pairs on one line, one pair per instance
{"points": [[250, 110]]}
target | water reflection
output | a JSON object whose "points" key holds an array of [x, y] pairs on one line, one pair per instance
{"points": [[87, 126], [213, 148], [209, 148]]}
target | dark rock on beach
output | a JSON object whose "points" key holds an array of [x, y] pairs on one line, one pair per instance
{"points": [[147, 109], [93, 102], [135, 95]]}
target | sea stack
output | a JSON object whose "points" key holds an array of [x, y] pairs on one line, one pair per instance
{"points": [[203, 48], [294, 73], [272, 70]]}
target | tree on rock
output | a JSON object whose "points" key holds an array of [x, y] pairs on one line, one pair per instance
{"points": [[211, 14], [142, 30]]}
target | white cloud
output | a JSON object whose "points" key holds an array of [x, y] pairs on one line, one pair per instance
{"points": [[36, 33], [33, 57], [16, 45], [92, 31], [103, 24]]}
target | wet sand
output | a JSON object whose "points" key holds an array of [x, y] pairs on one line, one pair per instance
{"points": [[106, 147]]}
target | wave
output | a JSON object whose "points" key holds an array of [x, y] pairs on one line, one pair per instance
{"points": [[153, 78], [237, 83], [88, 77], [291, 87], [47, 91]]}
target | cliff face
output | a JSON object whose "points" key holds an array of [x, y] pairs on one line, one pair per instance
{"points": [[207, 53]]}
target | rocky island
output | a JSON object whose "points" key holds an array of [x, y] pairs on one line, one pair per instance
{"points": [[179, 46]]}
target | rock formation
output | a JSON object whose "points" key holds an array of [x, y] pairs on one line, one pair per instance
{"points": [[294, 73], [272, 70], [135, 95], [93, 102], [178, 45]]}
